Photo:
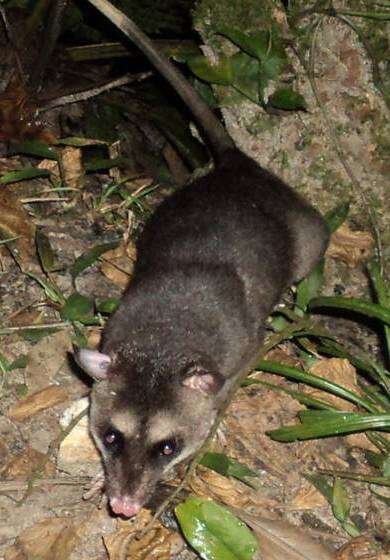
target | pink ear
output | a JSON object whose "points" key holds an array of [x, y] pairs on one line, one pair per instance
{"points": [[206, 383], [94, 363]]}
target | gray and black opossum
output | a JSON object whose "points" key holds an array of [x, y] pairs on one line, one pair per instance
{"points": [[213, 261]]}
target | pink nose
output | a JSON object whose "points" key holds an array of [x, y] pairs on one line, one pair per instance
{"points": [[125, 505]]}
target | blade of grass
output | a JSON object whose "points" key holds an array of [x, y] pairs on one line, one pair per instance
{"points": [[333, 427], [300, 397], [315, 381], [360, 306], [360, 477], [382, 293]]}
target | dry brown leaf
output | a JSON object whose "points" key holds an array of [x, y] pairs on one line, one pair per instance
{"points": [[351, 247], [15, 222], [72, 168], [118, 264], [279, 539], [207, 483], [360, 548], [45, 360], [36, 402], [339, 371], [280, 355], [50, 539], [52, 166], [158, 543], [307, 498], [23, 466]]}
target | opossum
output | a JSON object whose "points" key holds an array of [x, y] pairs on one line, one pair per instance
{"points": [[213, 261]]}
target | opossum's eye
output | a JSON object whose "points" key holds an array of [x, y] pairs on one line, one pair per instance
{"points": [[166, 448], [113, 439]]}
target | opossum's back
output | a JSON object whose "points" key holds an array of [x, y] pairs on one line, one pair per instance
{"points": [[238, 213]]}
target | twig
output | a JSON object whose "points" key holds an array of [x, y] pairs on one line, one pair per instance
{"points": [[10, 330], [18, 485], [43, 199], [93, 92]]}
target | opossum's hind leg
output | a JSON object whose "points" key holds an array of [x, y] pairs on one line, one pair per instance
{"points": [[311, 238]]}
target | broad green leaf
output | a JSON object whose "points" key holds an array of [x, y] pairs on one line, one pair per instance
{"points": [[226, 466], [310, 286], [22, 175], [220, 73], [19, 363], [341, 505], [91, 256], [334, 218], [34, 148], [255, 44], [246, 76], [360, 306], [77, 308], [261, 45], [108, 306], [4, 364], [287, 99], [214, 532], [45, 252]]}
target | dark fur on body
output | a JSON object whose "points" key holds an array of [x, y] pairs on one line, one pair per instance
{"points": [[212, 263]]}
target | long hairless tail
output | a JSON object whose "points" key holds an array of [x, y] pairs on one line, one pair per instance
{"points": [[213, 129]]}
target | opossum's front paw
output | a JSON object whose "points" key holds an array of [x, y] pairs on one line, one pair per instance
{"points": [[95, 487]]}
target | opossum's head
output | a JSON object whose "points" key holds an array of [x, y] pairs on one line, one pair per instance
{"points": [[145, 419]]}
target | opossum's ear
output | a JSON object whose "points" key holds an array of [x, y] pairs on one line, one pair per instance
{"points": [[199, 379], [94, 363]]}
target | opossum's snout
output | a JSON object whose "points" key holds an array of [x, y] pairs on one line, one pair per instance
{"points": [[125, 505]]}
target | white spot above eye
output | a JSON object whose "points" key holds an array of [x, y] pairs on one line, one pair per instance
{"points": [[113, 393]]}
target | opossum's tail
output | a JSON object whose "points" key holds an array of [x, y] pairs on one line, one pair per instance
{"points": [[213, 129]]}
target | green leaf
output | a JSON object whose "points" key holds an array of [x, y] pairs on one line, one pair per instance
{"points": [[34, 148], [222, 464], [287, 99], [29, 173], [334, 218], [335, 425], [108, 306], [340, 502], [214, 532], [350, 528], [322, 485], [360, 306], [20, 362], [45, 252], [34, 335], [310, 286], [51, 291], [77, 308], [90, 257], [314, 381], [246, 76], [255, 44], [220, 73]]}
